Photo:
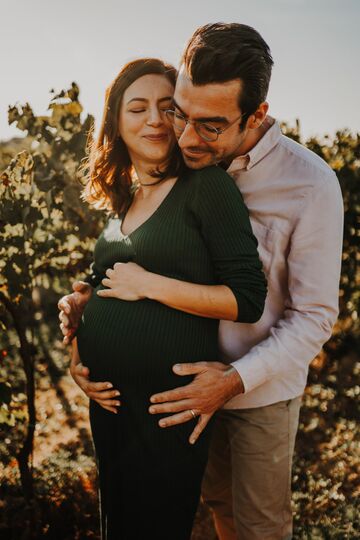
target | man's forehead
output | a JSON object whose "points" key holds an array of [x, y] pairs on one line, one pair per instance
{"points": [[213, 97]]}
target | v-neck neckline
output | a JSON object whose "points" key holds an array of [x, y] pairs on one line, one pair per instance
{"points": [[156, 211]]}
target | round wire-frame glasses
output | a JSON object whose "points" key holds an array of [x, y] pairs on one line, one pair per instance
{"points": [[206, 131]]}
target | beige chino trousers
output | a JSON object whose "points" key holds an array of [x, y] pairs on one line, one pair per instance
{"points": [[247, 482]]}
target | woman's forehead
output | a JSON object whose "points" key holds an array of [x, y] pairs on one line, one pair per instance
{"points": [[148, 86]]}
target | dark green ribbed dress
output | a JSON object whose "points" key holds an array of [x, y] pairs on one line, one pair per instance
{"points": [[150, 477]]}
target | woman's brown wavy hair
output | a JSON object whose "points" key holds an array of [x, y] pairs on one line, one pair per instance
{"points": [[108, 168]]}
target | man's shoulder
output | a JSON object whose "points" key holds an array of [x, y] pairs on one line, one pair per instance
{"points": [[305, 161]]}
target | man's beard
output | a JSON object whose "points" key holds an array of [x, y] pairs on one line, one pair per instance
{"points": [[206, 157]]}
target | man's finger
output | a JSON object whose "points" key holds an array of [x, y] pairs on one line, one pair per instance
{"points": [[190, 369], [109, 272], [175, 419], [171, 395], [69, 337], [66, 329], [64, 318], [64, 305], [80, 286], [199, 428], [174, 406]]}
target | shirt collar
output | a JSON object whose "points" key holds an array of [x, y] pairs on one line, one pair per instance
{"points": [[260, 150]]}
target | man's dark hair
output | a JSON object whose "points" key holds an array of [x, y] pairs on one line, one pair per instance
{"points": [[223, 52]]}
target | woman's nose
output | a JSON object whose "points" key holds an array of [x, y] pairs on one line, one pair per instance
{"points": [[155, 118]]}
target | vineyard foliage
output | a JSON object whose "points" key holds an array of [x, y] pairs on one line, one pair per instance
{"points": [[46, 240], [46, 231]]}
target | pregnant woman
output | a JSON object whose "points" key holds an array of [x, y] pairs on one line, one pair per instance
{"points": [[189, 225]]}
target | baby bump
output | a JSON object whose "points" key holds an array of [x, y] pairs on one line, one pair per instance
{"points": [[139, 342]]}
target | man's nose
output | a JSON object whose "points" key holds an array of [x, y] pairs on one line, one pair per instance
{"points": [[189, 137]]}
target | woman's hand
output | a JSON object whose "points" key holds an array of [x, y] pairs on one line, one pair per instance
{"points": [[102, 392], [126, 281]]}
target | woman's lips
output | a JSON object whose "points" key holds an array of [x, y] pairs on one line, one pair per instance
{"points": [[156, 138]]}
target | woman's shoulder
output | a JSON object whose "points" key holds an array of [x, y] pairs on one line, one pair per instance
{"points": [[211, 171], [210, 179]]}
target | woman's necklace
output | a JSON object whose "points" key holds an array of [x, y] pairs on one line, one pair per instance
{"points": [[137, 183], [151, 183]]}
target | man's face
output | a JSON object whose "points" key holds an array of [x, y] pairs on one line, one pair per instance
{"points": [[217, 105]]}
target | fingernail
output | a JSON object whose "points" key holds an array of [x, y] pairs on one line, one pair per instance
{"points": [[192, 441], [109, 385], [118, 403], [152, 410], [162, 423], [117, 393], [153, 400]]}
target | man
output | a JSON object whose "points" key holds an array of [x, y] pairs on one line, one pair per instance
{"points": [[295, 208]]}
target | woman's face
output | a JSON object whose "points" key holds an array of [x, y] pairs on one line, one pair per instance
{"points": [[142, 124]]}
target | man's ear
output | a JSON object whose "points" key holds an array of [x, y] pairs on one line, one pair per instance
{"points": [[257, 118]]}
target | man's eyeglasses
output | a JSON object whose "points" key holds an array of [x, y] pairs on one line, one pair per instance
{"points": [[206, 131]]}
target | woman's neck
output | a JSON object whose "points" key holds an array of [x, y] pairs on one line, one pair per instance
{"points": [[144, 181]]}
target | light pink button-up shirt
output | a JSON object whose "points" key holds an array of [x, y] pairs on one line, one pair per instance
{"points": [[296, 212]]}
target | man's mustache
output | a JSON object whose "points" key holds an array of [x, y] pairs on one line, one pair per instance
{"points": [[199, 149]]}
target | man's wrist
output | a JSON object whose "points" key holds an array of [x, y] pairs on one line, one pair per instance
{"points": [[235, 382]]}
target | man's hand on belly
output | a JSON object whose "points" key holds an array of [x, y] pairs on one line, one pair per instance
{"points": [[214, 384], [71, 309]]}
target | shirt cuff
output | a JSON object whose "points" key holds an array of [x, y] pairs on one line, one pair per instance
{"points": [[252, 372]]}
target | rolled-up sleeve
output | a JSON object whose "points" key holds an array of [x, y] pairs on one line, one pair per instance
{"points": [[314, 264], [227, 232]]}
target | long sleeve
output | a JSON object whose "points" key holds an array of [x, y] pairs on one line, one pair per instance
{"points": [[226, 229], [311, 308], [95, 277]]}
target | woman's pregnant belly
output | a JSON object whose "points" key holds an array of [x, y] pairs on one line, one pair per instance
{"points": [[135, 344]]}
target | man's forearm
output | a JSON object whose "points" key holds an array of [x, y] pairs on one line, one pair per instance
{"points": [[213, 301]]}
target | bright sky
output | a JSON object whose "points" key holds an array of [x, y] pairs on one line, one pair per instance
{"points": [[315, 45]]}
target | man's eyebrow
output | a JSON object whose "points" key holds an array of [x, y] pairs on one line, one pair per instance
{"points": [[167, 98], [219, 119]]}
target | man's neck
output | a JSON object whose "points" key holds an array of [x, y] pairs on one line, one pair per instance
{"points": [[252, 138]]}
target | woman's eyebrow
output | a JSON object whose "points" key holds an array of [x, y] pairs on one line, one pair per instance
{"points": [[167, 98], [220, 119], [136, 99]]}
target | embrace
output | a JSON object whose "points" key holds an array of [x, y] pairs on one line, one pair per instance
{"points": [[214, 285]]}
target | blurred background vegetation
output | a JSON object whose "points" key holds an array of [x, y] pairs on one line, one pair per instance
{"points": [[47, 234]]}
